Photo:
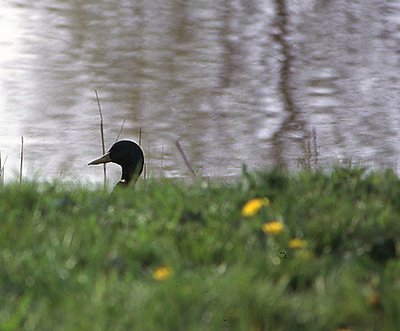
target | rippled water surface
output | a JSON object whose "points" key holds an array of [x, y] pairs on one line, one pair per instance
{"points": [[254, 82]]}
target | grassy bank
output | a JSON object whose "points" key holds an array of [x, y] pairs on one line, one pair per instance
{"points": [[272, 251]]}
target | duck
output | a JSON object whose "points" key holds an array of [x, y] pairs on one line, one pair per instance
{"points": [[129, 156]]}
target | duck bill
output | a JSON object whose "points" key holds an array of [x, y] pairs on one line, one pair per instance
{"points": [[104, 159]]}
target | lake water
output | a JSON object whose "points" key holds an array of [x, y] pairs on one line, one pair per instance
{"points": [[235, 82]]}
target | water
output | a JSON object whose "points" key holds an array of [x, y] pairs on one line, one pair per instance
{"points": [[233, 81]]}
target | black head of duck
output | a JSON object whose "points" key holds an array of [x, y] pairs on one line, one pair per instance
{"points": [[129, 156]]}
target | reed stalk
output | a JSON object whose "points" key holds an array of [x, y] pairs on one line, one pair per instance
{"points": [[120, 129], [178, 145], [1, 172], [21, 159], [102, 138]]}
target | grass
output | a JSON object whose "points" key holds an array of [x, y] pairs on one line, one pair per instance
{"points": [[176, 256]]}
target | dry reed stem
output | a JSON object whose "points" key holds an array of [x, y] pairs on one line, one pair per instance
{"points": [[315, 146], [120, 129], [1, 172], [144, 163], [310, 150], [22, 159], [162, 159], [177, 144], [2, 165], [102, 138]]}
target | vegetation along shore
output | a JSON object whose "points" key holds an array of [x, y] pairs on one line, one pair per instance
{"points": [[308, 250]]}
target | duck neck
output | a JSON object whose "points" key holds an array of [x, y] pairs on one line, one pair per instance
{"points": [[130, 174], [127, 174]]}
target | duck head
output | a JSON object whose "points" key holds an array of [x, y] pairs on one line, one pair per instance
{"points": [[129, 156]]}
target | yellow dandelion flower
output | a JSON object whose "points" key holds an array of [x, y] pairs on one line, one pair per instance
{"points": [[297, 243], [253, 206], [274, 227], [162, 273]]}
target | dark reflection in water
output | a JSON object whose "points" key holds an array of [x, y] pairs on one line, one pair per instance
{"points": [[235, 82]]}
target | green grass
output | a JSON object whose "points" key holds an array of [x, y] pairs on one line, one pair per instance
{"points": [[73, 258]]}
